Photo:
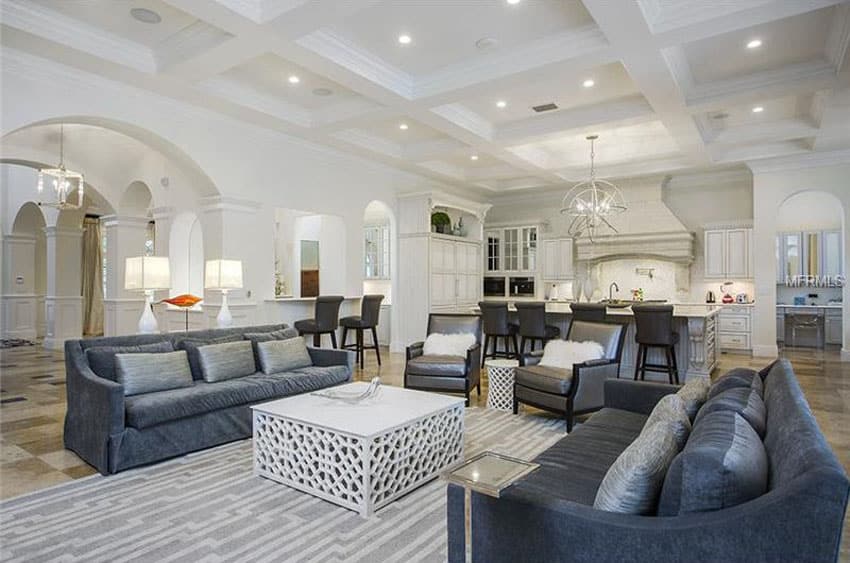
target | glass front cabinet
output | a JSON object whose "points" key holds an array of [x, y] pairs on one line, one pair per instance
{"points": [[810, 253], [377, 252], [511, 249]]}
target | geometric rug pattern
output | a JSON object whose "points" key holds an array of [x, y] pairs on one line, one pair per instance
{"points": [[209, 507]]}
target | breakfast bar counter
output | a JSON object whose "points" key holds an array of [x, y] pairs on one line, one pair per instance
{"points": [[696, 324]]}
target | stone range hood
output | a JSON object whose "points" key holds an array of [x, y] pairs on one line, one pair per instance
{"points": [[676, 247]]}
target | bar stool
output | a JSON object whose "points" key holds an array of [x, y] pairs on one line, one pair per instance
{"points": [[326, 320], [494, 321], [370, 310], [654, 329], [532, 325], [591, 312]]}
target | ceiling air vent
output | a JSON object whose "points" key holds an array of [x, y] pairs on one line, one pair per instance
{"points": [[545, 107]]}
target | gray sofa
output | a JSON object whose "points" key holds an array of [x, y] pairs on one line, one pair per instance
{"points": [[113, 432], [549, 515]]}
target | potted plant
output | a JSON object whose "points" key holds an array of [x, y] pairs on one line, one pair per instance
{"points": [[441, 221]]}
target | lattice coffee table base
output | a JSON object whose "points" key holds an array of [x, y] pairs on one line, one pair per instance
{"points": [[359, 473]]}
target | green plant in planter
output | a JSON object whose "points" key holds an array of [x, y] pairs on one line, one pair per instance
{"points": [[441, 221]]}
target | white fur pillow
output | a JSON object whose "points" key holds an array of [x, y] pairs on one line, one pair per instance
{"points": [[448, 344], [565, 353]]}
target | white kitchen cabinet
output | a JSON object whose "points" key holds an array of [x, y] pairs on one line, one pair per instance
{"points": [[810, 253], [780, 324], [728, 253], [558, 260], [734, 328], [832, 264], [511, 249], [455, 273], [833, 326]]}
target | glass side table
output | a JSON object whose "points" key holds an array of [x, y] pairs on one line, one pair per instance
{"points": [[500, 384], [488, 473]]}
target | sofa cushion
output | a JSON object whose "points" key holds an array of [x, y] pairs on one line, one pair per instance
{"points": [[278, 356], [150, 372], [723, 464], [227, 360], [150, 409], [191, 346], [671, 410], [633, 482], [545, 378], [694, 393], [102, 358], [737, 377], [442, 366], [573, 468], [745, 401], [257, 337]]}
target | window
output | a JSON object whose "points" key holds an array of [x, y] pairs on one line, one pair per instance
{"points": [[494, 250], [377, 252]]}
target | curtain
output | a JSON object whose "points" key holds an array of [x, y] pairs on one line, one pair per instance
{"points": [[92, 278]]}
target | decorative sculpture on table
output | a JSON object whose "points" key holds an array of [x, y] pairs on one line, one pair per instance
{"points": [[185, 301], [352, 397]]}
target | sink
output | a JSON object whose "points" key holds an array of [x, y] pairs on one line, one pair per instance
{"points": [[623, 303]]}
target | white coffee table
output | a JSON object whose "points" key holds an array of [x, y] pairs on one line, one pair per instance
{"points": [[361, 456]]}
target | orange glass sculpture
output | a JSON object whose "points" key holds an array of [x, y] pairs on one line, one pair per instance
{"points": [[185, 300]]}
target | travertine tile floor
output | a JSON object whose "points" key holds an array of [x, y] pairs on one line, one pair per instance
{"points": [[32, 410]]}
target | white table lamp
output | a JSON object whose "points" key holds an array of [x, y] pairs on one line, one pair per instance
{"points": [[147, 273], [223, 275]]}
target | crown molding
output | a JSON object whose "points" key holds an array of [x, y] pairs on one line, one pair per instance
{"points": [[688, 12], [55, 27], [800, 161]]}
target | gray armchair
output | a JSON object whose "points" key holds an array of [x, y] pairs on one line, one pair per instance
{"points": [[446, 373], [579, 390]]}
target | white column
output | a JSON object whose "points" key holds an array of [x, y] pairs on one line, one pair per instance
{"points": [[237, 229], [19, 302], [125, 237], [63, 302]]}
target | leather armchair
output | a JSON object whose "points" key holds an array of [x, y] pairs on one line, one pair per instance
{"points": [[446, 373], [579, 390]]}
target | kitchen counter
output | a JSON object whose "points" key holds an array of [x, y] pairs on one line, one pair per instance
{"points": [[679, 311], [829, 306]]}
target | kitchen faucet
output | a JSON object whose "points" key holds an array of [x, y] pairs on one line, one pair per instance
{"points": [[611, 290]]}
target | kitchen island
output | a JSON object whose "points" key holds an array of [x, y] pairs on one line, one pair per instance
{"points": [[696, 324]]}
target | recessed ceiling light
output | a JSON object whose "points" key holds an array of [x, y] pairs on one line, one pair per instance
{"points": [[513, 2], [758, 109], [501, 104], [404, 39], [322, 91], [588, 83], [754, 44], [402, 126], [293, 79], [475, 156], [145, 16]]}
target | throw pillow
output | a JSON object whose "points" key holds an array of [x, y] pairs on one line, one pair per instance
{"points": [[743, 400], [191, 346], [694, 393], [438, 344], [633, 482], [102, 358], [149, 372], [671, 410], [281, 334], [565, 353], [723, 464], [278, 356], [737, 377], [228, 360]]}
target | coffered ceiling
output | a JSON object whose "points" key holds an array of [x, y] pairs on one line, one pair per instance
{"points": [[447, 89]]}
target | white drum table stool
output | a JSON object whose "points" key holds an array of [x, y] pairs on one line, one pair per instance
{"points": [[500, 387]]}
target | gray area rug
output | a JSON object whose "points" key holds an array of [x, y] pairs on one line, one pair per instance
{"points": [[209, 507]]}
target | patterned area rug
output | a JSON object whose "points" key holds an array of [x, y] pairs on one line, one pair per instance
{"points": [[209, 507]]}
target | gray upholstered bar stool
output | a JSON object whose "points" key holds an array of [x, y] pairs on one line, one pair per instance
{"points": [[326, 320], [370, 311], [654, 329], [494, 322], [532, 324], [590, 312]]}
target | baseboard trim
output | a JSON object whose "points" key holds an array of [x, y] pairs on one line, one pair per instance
{"points": [[765, 351], [845, 355]]}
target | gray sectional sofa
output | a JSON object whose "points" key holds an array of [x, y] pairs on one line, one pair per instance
{"points": [[549, 515], [114, 432]]}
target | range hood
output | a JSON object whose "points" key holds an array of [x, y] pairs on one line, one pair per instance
{"points": [[647, 229]]}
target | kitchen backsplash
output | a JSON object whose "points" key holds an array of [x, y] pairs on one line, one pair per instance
{"points": [[824, 294]]}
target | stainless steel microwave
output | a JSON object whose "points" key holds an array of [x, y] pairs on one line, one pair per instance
{"points": [[521, 287], [494, 286]]}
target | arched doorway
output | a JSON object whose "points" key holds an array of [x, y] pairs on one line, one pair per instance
{"points": [[810, 269], [379, 262]]}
